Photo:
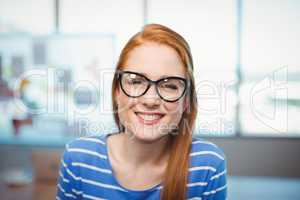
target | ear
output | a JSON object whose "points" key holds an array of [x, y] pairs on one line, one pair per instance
{"points": [[185, 104], [117, 94]]}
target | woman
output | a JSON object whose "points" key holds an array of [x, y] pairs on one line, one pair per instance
{"points": [[154, 155]]}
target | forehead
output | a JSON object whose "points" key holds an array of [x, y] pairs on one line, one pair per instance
{"points": [[155, 61]]}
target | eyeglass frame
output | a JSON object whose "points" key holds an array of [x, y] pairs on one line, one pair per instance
{"points": [[150, 83]]}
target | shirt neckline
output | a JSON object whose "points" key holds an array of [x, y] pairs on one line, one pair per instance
{"points": [[116, 182]]}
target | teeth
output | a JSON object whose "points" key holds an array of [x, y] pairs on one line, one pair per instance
{"points": [[149, 116]]}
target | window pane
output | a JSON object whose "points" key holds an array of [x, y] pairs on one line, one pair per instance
{"points": [[27, 16], [210, 28], [116, 17], [270, 63]]}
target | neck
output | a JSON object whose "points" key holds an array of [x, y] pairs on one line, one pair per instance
{"points": [[141, 153]]}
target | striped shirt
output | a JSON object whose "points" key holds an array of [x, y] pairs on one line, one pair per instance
{"points": [[86, 173]]}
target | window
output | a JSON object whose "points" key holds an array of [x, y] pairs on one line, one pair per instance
{"points": [[246, 55], [270, 100], [210, 28], [27, 16]]}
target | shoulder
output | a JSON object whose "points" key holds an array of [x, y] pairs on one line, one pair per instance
{"points": [[207, 170], [206, 153], [87, 142], [86, 148]]}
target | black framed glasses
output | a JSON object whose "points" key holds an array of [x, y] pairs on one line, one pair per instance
{"points": [[169, 89]]}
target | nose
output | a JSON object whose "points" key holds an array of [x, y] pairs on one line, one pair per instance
{"points": [[151, 97]]}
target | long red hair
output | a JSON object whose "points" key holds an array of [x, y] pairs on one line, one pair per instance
{"points": [[176, 174]]}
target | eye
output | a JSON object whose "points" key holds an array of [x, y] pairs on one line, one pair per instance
{"points": [[170, 86], [135, 81]]}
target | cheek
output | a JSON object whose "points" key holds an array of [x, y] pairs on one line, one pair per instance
{"points": [[175, 110], [174, 107], [124, 103]]}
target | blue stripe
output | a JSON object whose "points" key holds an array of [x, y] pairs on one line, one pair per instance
{"points": [[86, 172]]}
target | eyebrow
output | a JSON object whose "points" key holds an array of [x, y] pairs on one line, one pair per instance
{"points": [[161, 77]]}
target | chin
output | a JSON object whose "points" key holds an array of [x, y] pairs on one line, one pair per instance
{"points": [[147, 131], [148, 136]]}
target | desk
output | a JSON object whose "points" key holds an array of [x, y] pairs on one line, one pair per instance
{"points": [[239, 188], [33, 191]]}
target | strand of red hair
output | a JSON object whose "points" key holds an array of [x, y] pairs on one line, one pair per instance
{"points": [[176, 175]]}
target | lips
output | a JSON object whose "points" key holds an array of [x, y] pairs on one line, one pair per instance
{"points": [[149, 118]]}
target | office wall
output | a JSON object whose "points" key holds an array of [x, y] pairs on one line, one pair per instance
{"points": [[245, 156], [261, 156]]}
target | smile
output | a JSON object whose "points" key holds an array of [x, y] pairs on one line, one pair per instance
{"points": [[149, 118]]}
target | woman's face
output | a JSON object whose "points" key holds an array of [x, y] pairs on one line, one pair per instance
{"points": [[148, 117]]}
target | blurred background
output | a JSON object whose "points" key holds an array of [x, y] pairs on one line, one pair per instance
{"points": [[56, 64]]}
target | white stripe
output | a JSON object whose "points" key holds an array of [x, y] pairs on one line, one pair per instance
{"points": [[204, 142], [85, 195], [159, 187], [206, 152], [92, 140], [92, 182], [202, 168], [197, 184], [215, 191], [102, 184], [57, 198], [86, 152], [106, 171], [63, 178], [68, 171], [65, 193], [195, 198], [218, 175], [91, 197], [77, 192]]}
